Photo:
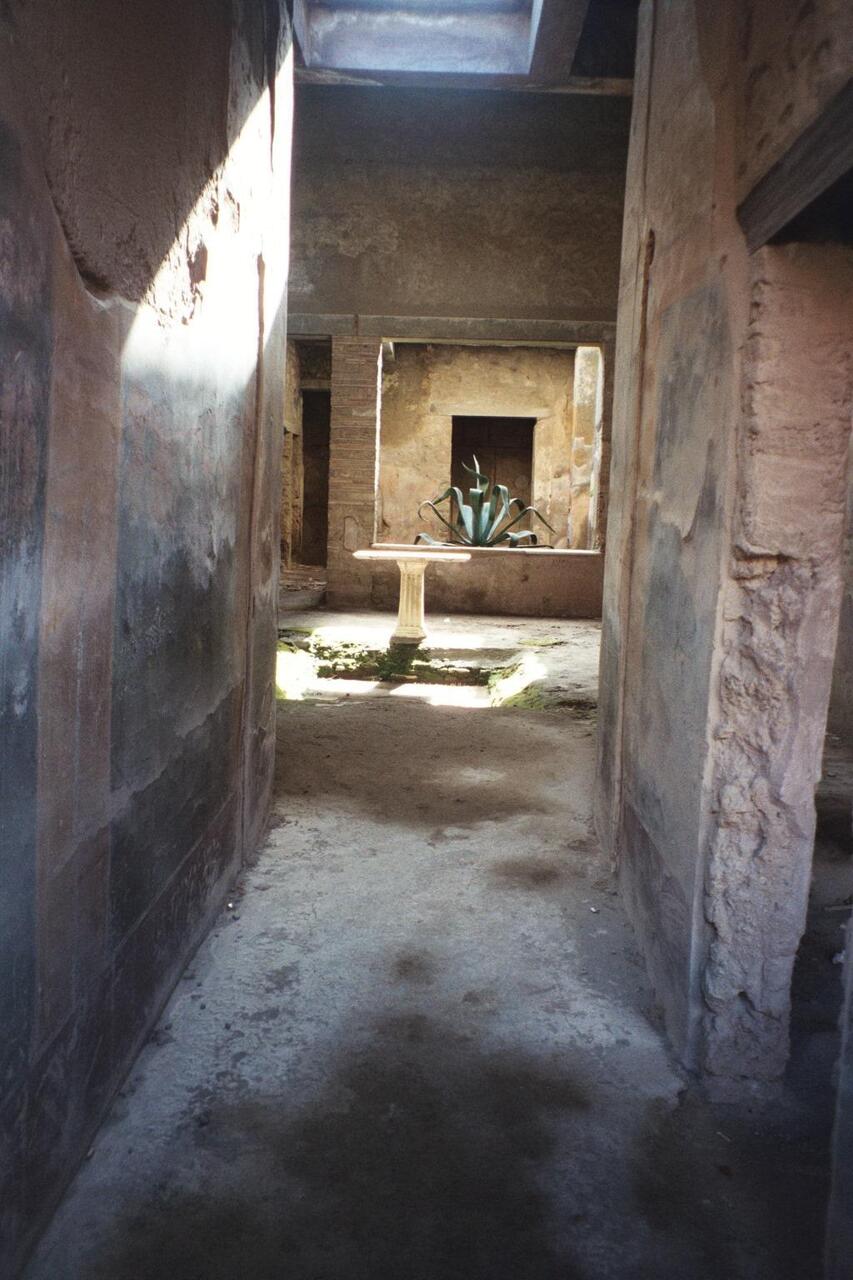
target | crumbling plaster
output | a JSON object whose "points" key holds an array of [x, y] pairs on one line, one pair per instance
{"points": [[781, 607], [709, 611]]}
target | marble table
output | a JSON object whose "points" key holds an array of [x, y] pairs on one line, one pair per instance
{"points": [[412, 565]]}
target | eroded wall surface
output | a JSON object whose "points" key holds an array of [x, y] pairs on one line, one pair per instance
{"points": [[681, 595], [416, 204], [142, 350], [781, 604], [425, 386]]}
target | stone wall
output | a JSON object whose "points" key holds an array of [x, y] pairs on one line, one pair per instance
{"points": [[424, 210], [701, 617], [143, 218], [425, 386]]}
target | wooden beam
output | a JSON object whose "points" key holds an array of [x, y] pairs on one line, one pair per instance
{"points": [[555, 29], [821, 155], [612, 87], [476, 330], [302, 29]]}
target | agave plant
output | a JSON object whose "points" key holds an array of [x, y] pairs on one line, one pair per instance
{"points": [[486, 520]]}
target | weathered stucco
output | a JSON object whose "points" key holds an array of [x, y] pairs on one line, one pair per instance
{"points": [[140, 281], [780, 617], [425, 386], [710, 714], [412, 204]]}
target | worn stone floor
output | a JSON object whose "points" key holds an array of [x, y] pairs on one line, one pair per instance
{"points": [[533, 662], [419, 1045]]}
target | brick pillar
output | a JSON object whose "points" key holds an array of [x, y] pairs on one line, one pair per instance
{"points": [[353, 467]]}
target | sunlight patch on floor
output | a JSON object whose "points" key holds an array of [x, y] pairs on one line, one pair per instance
{"points": [[433, 695]]}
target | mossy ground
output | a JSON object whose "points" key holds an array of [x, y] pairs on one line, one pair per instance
{"points": [[351, 660]]}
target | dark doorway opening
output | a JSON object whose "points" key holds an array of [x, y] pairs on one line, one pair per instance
{"points": [[316, 416], [504, 450]]}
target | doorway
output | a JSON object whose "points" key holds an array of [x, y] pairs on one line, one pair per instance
{"points": [[503, 447], [316, 417]]}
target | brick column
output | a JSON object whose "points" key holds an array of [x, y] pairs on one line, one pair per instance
{"points": [[353, 467]]}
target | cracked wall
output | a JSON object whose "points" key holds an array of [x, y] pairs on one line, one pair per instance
{"points": [[142, 357]]}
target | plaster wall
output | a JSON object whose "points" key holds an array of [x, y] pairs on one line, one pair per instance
{"points": [[416, 204], [141, 365], [681, 485], [425, 386]]}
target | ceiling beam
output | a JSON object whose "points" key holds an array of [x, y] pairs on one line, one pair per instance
{"points": [[601, 86], [555, 30], [302, 29], [821, 155]]}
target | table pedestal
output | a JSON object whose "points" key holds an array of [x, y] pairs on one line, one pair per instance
{"points": [[410, 614], [412, 565]]}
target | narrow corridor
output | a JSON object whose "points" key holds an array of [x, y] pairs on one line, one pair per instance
{"points": [[420, 1045]]}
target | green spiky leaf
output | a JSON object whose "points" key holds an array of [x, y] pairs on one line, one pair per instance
{"points": [[487, 519]]}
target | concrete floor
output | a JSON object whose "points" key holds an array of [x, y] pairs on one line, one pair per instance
{"points": [[420, 1046]]}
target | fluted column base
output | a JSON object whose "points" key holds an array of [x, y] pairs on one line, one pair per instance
{"points": [[410, 615]]}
